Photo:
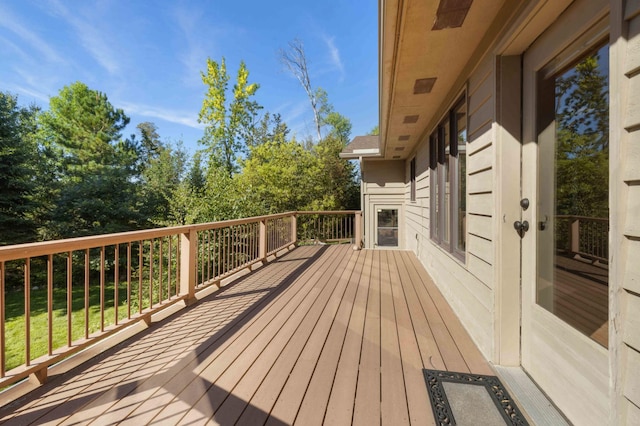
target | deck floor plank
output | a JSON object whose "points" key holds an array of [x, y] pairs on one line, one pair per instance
{"points": [[231, 410], [267, 394], [472, 357], [288, 403], [366, 411], [393, 408], [314, 404], [165, 388], [445, 342], [190, 400], [340, 406], [412, 365], [427, 345], [324, 334]]}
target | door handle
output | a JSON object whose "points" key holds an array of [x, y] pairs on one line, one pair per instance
{"points": [[543, 224], [521, 227]]}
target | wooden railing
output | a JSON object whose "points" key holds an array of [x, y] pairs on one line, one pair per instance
{"points": [[60, 297], [584, 236], [329, 227]]}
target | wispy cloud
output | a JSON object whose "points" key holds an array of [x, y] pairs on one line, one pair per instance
{"points": [[194, 54], [91, 37], [21, 90], [8, 45], [185, 118], [334, 55], [13, 24], [291, 112]]}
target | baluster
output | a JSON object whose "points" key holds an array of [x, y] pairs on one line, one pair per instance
{"points": [[87, 259], [50, 304]]}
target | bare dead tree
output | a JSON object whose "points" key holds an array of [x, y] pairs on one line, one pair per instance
{"points": [[295, 61]]}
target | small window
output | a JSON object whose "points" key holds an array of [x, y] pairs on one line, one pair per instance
{"points": [[448, 168], [413, 179], [387, 227]]}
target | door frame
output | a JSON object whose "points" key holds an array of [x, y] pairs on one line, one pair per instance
{"points": [[557, 356], [374, 224]]}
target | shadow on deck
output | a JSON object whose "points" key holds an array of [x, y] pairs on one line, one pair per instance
{"points": [[323, 334]]}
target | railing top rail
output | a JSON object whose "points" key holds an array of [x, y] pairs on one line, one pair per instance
{"points": [[594, 219], [27, 250], [328, 212]]}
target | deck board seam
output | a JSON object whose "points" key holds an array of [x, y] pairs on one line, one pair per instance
{"points": [[296, 366], [352, 285], [268, 345], [196, 342], [293, 333], [412, 285], [286, 302]]}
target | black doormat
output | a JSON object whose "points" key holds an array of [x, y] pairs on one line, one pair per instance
{"points": [[469, 396]]}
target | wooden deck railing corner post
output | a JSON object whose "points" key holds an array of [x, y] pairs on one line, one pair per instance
{"points": [[358, 230], [294, 229], [574, 235], [188, 253], [262, 241]]}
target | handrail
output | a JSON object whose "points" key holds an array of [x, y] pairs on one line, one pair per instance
{"points": [[585, 236], [139, 274], [592, 219], [20, 251]]}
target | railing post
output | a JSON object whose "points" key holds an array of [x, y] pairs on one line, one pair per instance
{"points": [[188, 249], [262, 254], [574, 236], [294, 229], [358, 230]]}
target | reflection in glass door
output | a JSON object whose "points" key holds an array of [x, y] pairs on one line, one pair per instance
{"points": [[387, 227], [573, 194]]}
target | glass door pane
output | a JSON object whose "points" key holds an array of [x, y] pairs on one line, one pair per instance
{"points": [[573, 194], [387, 227]]}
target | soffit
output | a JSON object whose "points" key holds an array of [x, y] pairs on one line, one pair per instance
{"points": [[410, 49]]}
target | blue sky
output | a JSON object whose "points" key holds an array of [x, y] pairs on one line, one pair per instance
{"points": [[147, 55]]}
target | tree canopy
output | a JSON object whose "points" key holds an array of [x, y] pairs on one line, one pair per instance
{"points": [[69, 171]]}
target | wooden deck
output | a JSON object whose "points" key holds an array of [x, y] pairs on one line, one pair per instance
{"points": [[581, 297], [325, 334]]}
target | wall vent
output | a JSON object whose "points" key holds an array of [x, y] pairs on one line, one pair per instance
{"points": [[451, 14], [423, 85]]}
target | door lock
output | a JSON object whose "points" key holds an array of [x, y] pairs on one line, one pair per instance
{"points": [[521, 227], [524, 203]]}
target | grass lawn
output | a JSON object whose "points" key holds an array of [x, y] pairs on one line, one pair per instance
{"points": [[15, 317]]}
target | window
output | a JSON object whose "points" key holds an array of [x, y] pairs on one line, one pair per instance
{"points": [[387, 227], [448, 167], [413, 179]]}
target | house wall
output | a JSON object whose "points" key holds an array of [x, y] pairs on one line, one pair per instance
{"points": [[383, 184], [625, 201], [475, 287], [467, 285]]}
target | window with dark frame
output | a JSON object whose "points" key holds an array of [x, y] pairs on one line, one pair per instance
{"points": [[413, 179], [448, 166]]}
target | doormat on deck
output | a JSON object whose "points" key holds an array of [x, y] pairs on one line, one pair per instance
{"points": [[470, 399]]}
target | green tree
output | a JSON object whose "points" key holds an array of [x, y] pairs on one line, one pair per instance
{"points": [[97, 169], [227, 123], [340, 127], [582, 153], [160, 181], [335, 180], [270, 128], [17, 154], [196, 176], [150, 143], [276, 178]]}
